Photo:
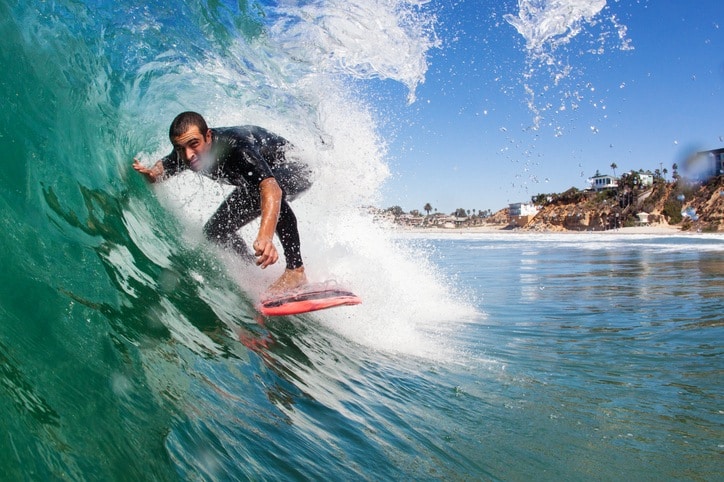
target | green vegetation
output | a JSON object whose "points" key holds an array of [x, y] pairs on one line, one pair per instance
{"points": [[605, 195], [570, 196], [672, 211], [395, 211]]}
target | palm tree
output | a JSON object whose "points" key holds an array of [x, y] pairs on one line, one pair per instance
{"points": [[427, 208], [614, 166]]}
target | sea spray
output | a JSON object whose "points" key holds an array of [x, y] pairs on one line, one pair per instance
{"points": [[552, 82], [305, 96], [384, 39]]}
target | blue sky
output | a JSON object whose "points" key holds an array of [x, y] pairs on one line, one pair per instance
{"points": [[468, 142]]}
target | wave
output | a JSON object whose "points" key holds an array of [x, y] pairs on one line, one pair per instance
{"points": [[122, 329]]}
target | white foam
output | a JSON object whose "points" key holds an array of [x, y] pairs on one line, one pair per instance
{"points": [[295, 82], [387, 39]]}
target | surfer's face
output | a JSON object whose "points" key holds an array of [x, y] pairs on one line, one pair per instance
{"points": [[193, 146]]}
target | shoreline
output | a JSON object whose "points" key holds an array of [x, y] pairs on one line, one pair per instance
{"points": [[647, 230]]}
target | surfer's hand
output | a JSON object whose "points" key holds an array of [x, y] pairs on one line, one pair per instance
{"points": [[265, 252], [153, 174]]}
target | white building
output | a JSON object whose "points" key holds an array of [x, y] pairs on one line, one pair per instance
{"points": [[646, 179], [522, 209], [520, 214], [599, 182]]}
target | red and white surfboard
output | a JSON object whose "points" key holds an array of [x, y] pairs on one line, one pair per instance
{"points": [[306, 299]]}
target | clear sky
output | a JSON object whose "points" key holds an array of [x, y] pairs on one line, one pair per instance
{"points": [[641, 84]]}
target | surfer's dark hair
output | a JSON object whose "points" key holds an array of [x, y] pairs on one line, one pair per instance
{"points": [[185, 121]]}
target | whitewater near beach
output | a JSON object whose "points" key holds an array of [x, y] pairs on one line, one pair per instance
{"points": [[648, 230]]}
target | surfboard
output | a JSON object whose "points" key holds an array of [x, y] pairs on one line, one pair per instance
{"points": [[311, 297]]}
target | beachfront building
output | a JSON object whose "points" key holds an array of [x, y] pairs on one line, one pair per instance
{"points": [[600, 182], [520, 214], [642, 219], [705, 165]]}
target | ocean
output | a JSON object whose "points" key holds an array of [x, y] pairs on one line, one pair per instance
{"points": [[130, 349]]}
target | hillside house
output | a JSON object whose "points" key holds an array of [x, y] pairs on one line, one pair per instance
{"points": [[647, 179], [704, 165], [600, 182]]}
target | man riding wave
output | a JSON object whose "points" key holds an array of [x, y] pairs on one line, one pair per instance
{"points": [[254, 160]]}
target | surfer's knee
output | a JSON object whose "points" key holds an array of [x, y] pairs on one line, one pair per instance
{"points": [[212, 232]]}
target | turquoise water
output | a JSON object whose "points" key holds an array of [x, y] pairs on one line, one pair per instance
{"points": [[130, 350], [605, 355]]}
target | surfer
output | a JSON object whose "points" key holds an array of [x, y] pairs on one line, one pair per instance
{"points": [[254, 160]]}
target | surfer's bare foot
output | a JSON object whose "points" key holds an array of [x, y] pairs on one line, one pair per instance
{"points": [[289, 280]]}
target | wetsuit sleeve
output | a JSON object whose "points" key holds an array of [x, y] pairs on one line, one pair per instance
{"points": [[172, 164]]}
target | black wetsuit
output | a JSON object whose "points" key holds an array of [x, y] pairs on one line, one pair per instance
{"points": [[244, 156]]}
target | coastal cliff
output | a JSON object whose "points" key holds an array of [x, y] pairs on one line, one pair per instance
{"points": [[688, 206], [680, 204]]}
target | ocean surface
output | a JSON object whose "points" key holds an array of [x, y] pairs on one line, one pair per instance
{"points": [[131, 350]]}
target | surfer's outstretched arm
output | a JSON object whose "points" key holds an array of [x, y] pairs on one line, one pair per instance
{"points": [[153, 174]]}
